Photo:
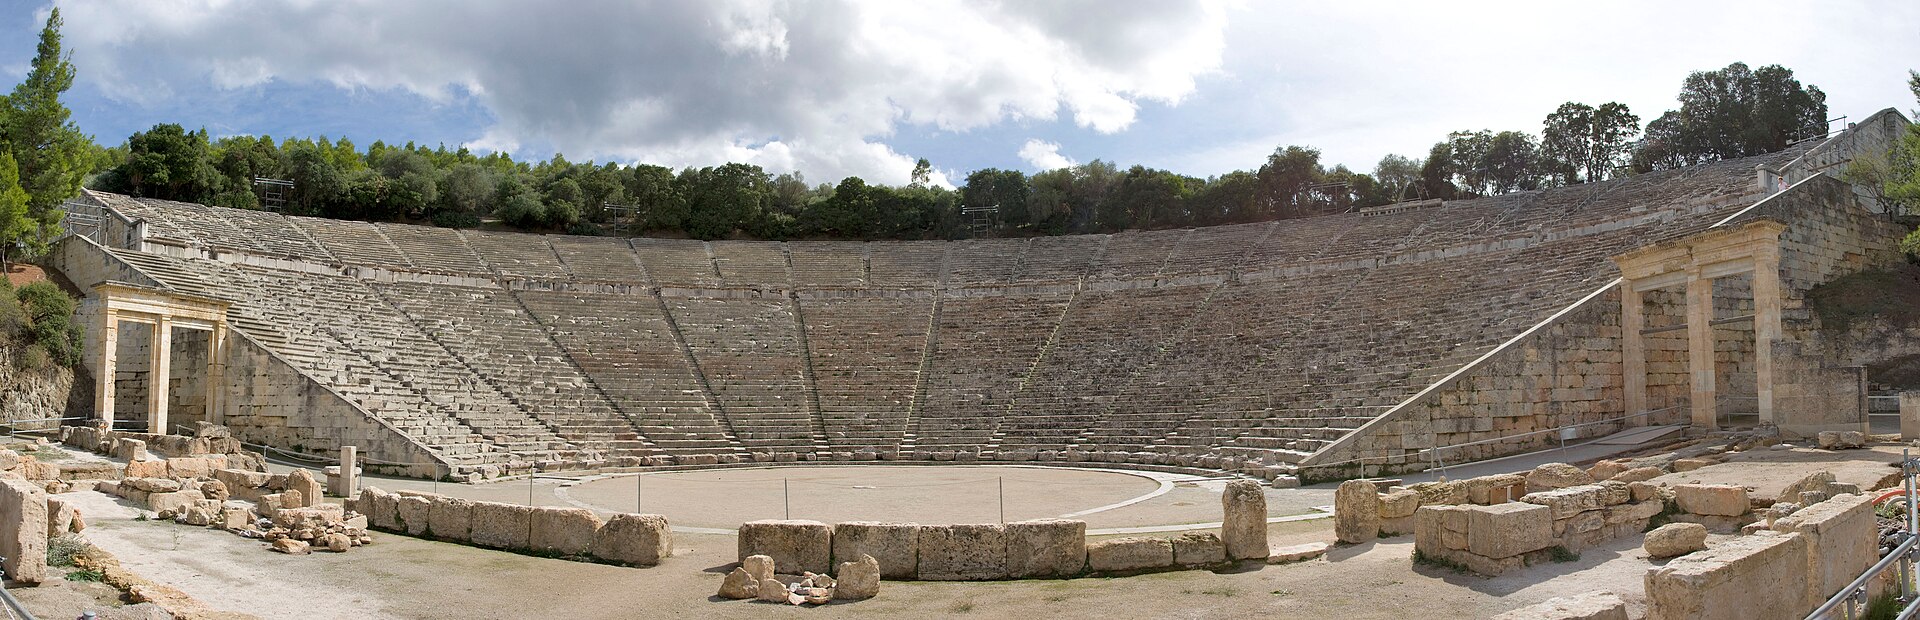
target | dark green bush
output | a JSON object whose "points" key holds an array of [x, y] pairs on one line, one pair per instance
{"points": [[49, 314]]}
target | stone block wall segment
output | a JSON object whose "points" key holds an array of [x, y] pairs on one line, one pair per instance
{"points": [[795, 545], [964, 552], [1041, 548], [1842, 541], [502, 526], [23, 531], [1739, 579], [895, 546], [633, 540], [1132, 554], [563, 531]]}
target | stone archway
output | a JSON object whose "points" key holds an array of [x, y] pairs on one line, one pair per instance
{"points": [[163, 311]]}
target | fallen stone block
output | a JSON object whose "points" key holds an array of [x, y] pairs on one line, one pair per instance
{"points": [[967, 552], [795, 545], [1740, 578], [1038, 549], [859, 579], [634, 540], [1495, 489], [1296, 553], [1123, 555], [1674, 540], [1198, 549], [173, 503], [501, 526], [1508, 530], [1606, 470], [1552, 476], [1638, 474], [415, 513], [1842, 538], [1712, 499], [1590, 606], [563, 531], [23, 547], [896, 546], [1356, 516], [1564, 503], [1243, 527], [1398, 504]]}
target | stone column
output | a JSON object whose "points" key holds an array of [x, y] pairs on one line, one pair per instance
{"points": [[216, 374], [103, 378], [158, 379], [1909, 415], [1700, 349], [349, 462], [1766, 324], [1633, 352]]}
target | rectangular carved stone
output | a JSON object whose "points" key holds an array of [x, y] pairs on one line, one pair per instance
{"points": [[795, 545], [1722, 500], [1841, 538], [634, 540], [1508, 530], [965, 552], [1121, 555], [451, 518], [896, 546], [23, 531], [565, 531], [502, 526], [1198, 549], [1569, 501], [1043, 548], [1739, 578]]}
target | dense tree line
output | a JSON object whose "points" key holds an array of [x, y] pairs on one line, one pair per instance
{"points": [[1731, 112]]}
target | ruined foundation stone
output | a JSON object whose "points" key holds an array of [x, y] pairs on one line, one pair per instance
{"points": [[1122, 555], [1841, 540], [795, 545], [1737, 580], [1043, 548], [896, 546], [1356, 517], [967, 552], [1590, 606], [501, 526], [1243, 527], [563, 531], [634, 540], [859, 579], [1198, 549], [23, 531], [1675, 539], [451, 518]]}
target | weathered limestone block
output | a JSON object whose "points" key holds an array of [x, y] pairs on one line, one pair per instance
{"points": [[771, 591], [1712, 499], [1038, 549], [634, 540], [60, 516], [1738, 579], [967, 552], [1398, 504], [1606, 470], [1508, 530], [1556, 476], [189, 467], [1841, 538], [501, 526], [1569, 501], [290, 546], [1599, 605], [303, 481], [1631, 512], [563, 531], [415, 512], [859, 579], [1356, 516], [450, 518], [759, 567], [795, 545], [1198, 549], [1296, 553], [1841, 440], [1121, 555], [896, 546], [1817, 482], [172, 503], [147, 469], [130, 449], [1438, 529], [1686, 465], [1441, 493], [1638, 474], [1244, 525], [382, 508], [1675, 539], [1495, 489], [23, 531]]}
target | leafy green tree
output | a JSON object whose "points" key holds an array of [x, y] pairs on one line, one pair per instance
{"points": [[1285, 180], [722, 199], [1580, 143], [50, 152], [466, 192], [657, 203], [1733, 112], [1003, 190], [1231, 197], [1395, 176], [1509, 163], [16, 222], [317, 182], [170, 163], [1147, 198], [1437, 173]]}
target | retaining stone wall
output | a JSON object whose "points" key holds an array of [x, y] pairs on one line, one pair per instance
{"points": [[625, 539]]}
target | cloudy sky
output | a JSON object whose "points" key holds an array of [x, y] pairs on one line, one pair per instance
{"points": [[863, 88]]}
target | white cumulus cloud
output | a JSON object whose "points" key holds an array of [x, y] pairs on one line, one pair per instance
{"points": [[1044, 155], [811, 86]]}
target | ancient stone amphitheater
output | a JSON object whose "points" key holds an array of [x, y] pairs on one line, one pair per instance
{"points": [[1373, 337]]}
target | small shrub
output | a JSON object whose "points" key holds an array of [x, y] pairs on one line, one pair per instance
{"points": [[49, 314], [62, 549], [1562, 554], [1883, 607], [34, 357], [86, 575], [456, 219]]}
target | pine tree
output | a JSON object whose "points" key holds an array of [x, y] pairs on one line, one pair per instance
{"points": [[48, 149]]}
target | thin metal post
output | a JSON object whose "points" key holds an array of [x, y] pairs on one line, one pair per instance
{"points": [[639, 491], [1002, 481], [529, 490], [786, 500], [1913, 517]]}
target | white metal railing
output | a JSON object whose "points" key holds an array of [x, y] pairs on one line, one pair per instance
{"points": [[1851, 601]]}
